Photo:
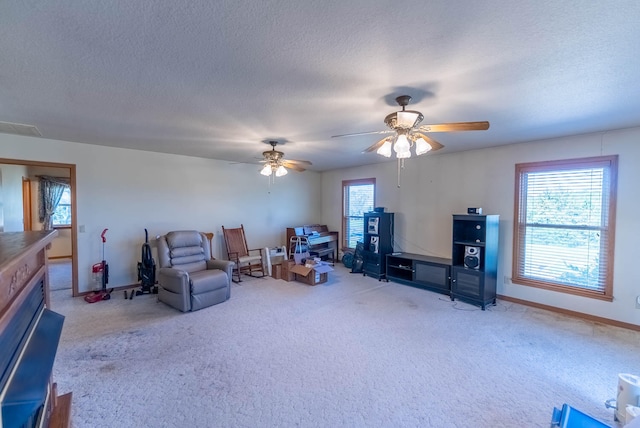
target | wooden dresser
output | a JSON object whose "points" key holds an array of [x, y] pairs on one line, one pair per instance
{"points": [[29, 332]]}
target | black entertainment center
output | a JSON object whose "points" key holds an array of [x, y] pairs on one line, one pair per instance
{"points": [[474, 257], [470, 274], [417, 270], [378, 242]]}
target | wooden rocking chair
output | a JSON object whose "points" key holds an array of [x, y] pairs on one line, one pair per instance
{"points": [[247, 260]]}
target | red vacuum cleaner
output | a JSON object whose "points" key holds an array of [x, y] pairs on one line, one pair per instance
{"points": [[102, 270]]}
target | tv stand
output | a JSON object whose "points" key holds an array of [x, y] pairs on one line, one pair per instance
{"points": [[417, 270]]}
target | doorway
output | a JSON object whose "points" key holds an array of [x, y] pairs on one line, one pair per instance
{"points": [[63, 266]]}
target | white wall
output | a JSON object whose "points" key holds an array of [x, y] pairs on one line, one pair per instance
{"points": [[11, 189], [436, 186], [127, 191]]}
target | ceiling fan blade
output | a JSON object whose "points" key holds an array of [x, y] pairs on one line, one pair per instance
{"points": [[455, 126], [296, 161], [433, 143], [292, 166], [386, 131], [376, 146]]}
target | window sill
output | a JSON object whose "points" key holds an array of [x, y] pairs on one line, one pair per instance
{"points": [[567, 289], [62, 227]]}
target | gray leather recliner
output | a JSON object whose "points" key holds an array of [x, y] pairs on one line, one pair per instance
{"points": [[188, 279]]}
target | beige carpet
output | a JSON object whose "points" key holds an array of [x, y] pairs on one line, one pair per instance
{"points": [[353, 352], [60, 274]]}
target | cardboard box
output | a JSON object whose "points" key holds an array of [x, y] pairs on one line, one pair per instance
{"points": [[313, 278], [276, 271], [312, 272], [286, 273]]}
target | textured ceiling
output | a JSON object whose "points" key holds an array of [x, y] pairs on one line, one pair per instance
{"points": [[217, 79]]}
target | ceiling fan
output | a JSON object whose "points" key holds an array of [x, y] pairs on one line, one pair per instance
{"points": [[407, 132], [276, 164]]}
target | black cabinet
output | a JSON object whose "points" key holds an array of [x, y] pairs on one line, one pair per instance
{"points": [[417, 270], [474, 258], [378, 242]]}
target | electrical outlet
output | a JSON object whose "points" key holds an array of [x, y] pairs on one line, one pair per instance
{"points": [[81, 228], [638, 302], [507, 280]]}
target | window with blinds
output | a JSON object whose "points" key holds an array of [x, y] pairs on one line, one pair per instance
{"points": [[358, 197], [62, 215], [564, 228]]}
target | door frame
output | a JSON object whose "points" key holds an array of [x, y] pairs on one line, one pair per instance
{"points": [[26, 204], [74, 210]]}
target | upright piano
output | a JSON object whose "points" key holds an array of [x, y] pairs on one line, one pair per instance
{"points": [[314, 238]]}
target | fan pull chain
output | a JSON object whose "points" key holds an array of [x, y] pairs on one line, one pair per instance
{"points": [[400, 167]]}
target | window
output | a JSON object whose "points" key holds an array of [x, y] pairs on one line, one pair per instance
{"points": [[62, 215], [358, 197], [564, 228]]}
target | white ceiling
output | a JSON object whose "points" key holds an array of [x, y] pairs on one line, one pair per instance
{"points": [[217, 78]]}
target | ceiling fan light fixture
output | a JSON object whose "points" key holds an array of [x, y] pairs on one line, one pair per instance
{"points": [[280, 171], [385, 149], [407, 119], [403, 155], [402, 145], [266, 171], [407, 132], [422, 146]]}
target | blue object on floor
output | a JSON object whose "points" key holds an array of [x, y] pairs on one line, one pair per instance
{"points": [[569, 417], [347, 259]]}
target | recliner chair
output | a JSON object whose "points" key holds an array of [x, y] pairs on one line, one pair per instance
{"points": [[188, 278]]}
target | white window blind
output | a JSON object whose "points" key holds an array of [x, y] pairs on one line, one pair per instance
{"points": [[563, 236], [359, 198]]}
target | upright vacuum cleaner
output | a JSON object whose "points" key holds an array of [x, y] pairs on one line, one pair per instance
{"points": [[100, 269], [147, 269]]}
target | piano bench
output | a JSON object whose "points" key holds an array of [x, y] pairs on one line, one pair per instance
{"points": [[324, 252]]}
